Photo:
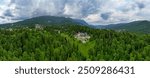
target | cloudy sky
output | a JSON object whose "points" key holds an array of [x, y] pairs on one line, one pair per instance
{"points": [[92, 11]]}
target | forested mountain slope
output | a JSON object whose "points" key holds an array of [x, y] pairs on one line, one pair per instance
{"points": [[136, 26], [45, 21], [58, 43]]}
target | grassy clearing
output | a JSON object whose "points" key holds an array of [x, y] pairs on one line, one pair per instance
{"points": [[83, 47]]}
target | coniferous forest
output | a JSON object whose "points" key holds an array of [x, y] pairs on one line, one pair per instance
{"points": [[58, 43]]}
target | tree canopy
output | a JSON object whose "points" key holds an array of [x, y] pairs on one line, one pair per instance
{"points": [[57, 43]]}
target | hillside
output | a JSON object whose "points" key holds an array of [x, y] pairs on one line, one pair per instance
{"points": [[46, 21], [49, 38], [136, 26], [59, 43]]}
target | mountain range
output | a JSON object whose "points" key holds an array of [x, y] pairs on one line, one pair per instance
{"points": [[136, 26], [46, 21], [49, 38]]}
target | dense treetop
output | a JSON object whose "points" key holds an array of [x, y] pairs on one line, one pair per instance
{"points": [[58, 43]]}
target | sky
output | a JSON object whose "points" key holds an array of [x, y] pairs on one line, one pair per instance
{"points": [[92, 11]]}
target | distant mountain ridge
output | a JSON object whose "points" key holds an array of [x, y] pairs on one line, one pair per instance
{"points": [[46, 20], [136, 26]]}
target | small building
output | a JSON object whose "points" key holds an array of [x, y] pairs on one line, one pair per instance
{"points": [[83, 37], [38, 26], [9, 29]]}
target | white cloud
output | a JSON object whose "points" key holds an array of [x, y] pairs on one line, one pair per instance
{"points": [[92, 11]]}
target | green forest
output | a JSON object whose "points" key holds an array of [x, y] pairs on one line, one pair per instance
{"points": [[58, 43]]}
